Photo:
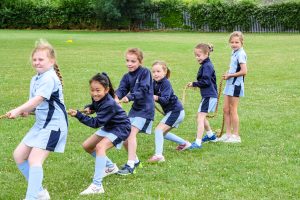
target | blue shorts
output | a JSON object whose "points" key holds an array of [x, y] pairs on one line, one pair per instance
{"points": [[117, 142], [173, 118], [47, 139], [234, 90], [144, 125], [208, 104]]}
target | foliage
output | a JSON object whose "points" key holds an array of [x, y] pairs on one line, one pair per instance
{"points": [[129, 14]]}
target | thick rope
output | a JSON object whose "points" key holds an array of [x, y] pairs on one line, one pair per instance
{"points": [[3, 117], [219, 132]]}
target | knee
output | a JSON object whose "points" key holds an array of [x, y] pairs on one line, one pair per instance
{"points": [[100, 149], [86, 147], [16, 155], [226, 110]]}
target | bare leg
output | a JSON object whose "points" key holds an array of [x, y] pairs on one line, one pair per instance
{"points": [[226, 110], [200, 128], [234, 101]]}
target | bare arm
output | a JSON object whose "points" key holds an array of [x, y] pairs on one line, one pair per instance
{"points": [[242, 72], [27, 107]]}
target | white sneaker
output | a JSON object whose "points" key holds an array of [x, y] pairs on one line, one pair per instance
{"points": [[43, 195], [234, 139], [111, 170], [93, 189], [224, 138]]}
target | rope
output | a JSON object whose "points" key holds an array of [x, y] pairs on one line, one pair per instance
{"points": [[159, 110], [219, 132], [3, 116], [82, 111], [219, 95]]}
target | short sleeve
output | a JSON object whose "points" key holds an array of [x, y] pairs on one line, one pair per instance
{"points": [[45, 87], [242, 58]]}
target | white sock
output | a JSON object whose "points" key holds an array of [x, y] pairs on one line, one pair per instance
{"points": [[130, 163], [136, 160], [209, 133], [198, 141]]}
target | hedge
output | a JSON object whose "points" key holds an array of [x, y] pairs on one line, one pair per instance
{"points": [[82, 14]]}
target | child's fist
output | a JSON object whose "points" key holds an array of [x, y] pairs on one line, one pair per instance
{"points": [[72, 112]]}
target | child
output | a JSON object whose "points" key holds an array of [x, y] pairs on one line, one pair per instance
{"points": [[115, 128], [172, 107], [136, 86], [208, 88], [49, 133], [234, 87]]}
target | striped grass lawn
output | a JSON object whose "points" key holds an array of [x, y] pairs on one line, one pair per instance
{"points": [[266, 165]]}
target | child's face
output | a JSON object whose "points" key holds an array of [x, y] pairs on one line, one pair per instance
{"points": [[158, 73], [200, 55], [132, 62], [41, 61], [235, 43], [97, 90]]}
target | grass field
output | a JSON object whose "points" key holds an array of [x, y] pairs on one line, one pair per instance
{"points": [[266, 165]]}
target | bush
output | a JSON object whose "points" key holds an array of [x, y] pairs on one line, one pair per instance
{"points": [[129, 14]]}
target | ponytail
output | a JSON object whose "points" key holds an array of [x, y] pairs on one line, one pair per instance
{"points": [[164, 67], [57, 70], [104, 80]]}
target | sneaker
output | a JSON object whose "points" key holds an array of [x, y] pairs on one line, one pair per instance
{"points": [[138, 165], [195, 146], [184, 146], [111, 170], [43, 195], [206, 138], [224, 138], [126, 170], [93, 189], [157, 158], [234, 139]]}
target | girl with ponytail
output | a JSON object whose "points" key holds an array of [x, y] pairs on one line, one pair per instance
{"points": [[49, 133], [115, 128]]}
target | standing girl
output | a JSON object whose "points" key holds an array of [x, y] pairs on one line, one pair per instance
{"points": [[208, 88], [49, 133], [136, 86], [164, 95], [234, 88], [115, 128]]}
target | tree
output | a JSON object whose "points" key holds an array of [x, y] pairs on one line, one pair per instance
{"points": [[121, 13]]}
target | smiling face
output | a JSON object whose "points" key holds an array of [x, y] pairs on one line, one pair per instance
{"points": [[97, 90], [200, 55], [132, 62], [41, 61], [235, 43], [158, 72]]}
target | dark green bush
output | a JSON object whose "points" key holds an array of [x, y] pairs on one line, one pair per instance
{"points": [[129, 14]]}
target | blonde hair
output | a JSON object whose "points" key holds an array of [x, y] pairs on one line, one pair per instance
{"points": [[41, 45], [164, 67], [238, 34], [206, 48], [137, 52]]}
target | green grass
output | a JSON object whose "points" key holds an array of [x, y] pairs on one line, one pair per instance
{"points": [[264, 166]]}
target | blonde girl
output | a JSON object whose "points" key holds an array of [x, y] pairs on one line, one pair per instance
{"points": [[172, 107], [49, 132], [234, 88]]}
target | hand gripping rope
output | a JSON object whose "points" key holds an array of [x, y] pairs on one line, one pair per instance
{"points": [[218, 132]]}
